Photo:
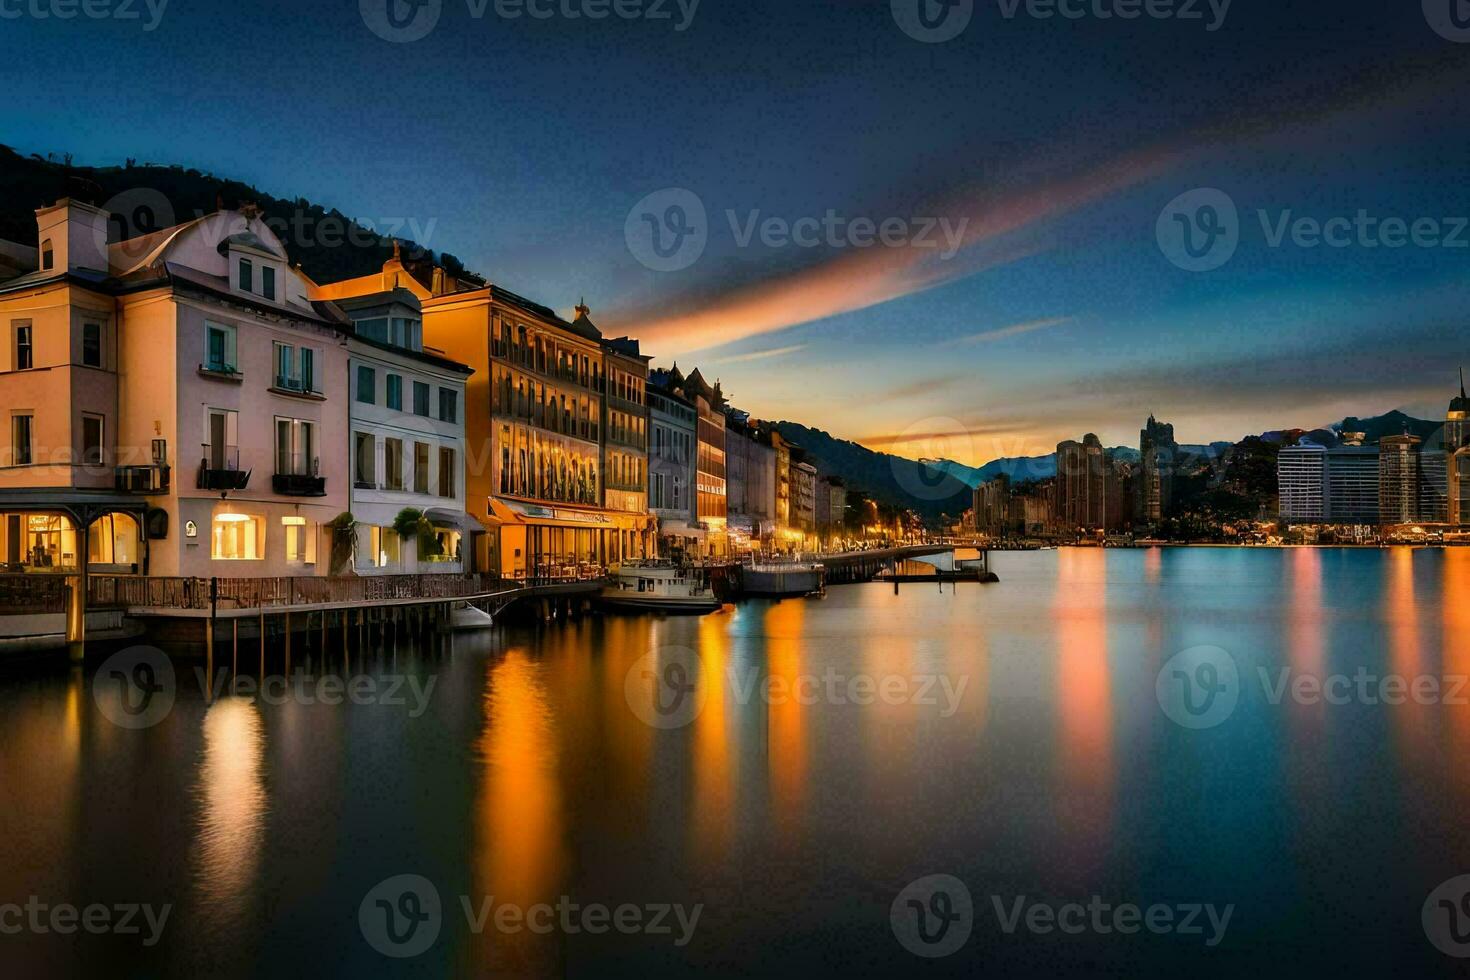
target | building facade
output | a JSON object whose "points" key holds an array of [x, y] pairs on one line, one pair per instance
{"points": [[195, 372], [711, 509], [1301, 477], [407, 431], [1157, 458], [992, 506], [751, 484], [624, 439], [534, 428], [673, 432]]}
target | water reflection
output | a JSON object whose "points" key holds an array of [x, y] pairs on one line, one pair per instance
{"points": [[785, 722], [713, 762], [233, 806], [1084, 699]]}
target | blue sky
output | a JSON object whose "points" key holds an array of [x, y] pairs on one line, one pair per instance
{"points": [[523, 144]]}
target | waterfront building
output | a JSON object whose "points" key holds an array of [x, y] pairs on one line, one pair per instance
{"points": [[1301, 473], [673, 430], [751, 483], [1158, 453], [1031, 512], [131, 363], [1351, 485], [710, 492], [624, 440], [1084, 470], [783, 482], [1398, 479], [804, 495], [992, 506], [1455, 441], [406, 424], [1434, 474], [533, 425], [831, 507]]}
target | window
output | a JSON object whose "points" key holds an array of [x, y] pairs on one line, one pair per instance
{"points": [[247, 275], [378, 548], [376, 329], [421, 399], [286, 368], [365, 470], [220, 453], [237, 537], [268, 282], [48, 256], [448, 405], [307, 358], [92, 345], [20, 439], [295, 447], [113, 541], [91, 440], [421, 467], [446, 472], [393, 395], [393, 464], [367, 385], [300, 540], [24, 351], [219, 348]]}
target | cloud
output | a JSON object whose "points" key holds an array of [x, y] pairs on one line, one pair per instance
{"points": [[759, 355], [1013, 330]]}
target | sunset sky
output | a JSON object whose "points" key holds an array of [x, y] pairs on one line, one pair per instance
{"points": [[522, 145]]}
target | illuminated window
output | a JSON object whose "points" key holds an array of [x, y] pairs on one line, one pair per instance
{"points": [[300, 540], [237, 537], [378, 547], [113, 540]]}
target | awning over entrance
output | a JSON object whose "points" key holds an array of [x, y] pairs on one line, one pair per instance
{"points": [[681, 529], [456, 520], [540, 515]]}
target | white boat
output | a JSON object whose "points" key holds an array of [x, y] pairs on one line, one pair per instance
{"points": [[658, 586], [776, 579]]}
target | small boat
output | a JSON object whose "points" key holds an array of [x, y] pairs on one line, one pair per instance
{"points": [[658, 586], [781, 579]]}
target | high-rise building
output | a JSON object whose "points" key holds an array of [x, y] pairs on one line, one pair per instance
{"points": [[1398, 479], [1351, 490], [1158, 452], [1081, 492], [992, 506], [1301, 473]]}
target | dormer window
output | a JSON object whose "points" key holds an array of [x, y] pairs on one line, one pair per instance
{"points": [[48, 256], [247, 276]]}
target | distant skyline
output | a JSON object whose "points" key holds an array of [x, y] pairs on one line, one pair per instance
{"points": [[1041, 305]]}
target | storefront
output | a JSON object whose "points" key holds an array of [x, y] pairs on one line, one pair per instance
{"points": [[538, 541], [47, 542]]}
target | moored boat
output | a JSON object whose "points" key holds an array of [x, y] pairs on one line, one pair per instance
{"points": [[780, 579], [658, 586]]}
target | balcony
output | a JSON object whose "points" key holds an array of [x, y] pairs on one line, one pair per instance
{"points": [[141, 479], [296, 476], [219, 469]]}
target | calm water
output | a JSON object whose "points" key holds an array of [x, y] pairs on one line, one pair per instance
{"points": [[529, 774]]}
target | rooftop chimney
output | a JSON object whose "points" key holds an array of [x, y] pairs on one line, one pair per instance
{"points": [[73, 235]]}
